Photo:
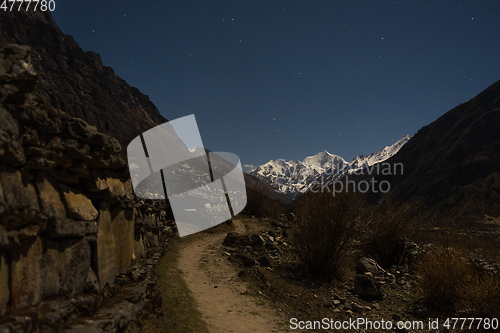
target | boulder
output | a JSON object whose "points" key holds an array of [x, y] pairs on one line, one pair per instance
{"points": [[253, 240], [265, 261], [365, 265], [50, 198], [271, 246], [79, 206], [230, 239], [17, 195], [366, 287], [16, 74]]}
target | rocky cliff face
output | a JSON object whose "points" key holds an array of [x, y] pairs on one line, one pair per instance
{"points": [[76, 81], [72, 234]]}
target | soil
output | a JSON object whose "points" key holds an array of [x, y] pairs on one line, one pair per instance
{"points": [[225, 301]]}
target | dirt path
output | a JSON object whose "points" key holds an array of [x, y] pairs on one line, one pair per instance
{"points": [[218, 290]]}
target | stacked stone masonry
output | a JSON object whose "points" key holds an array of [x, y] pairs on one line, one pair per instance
{"points": [[73, 237]]}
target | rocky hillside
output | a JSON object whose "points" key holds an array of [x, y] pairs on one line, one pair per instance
{"points": [[76, 246], [76, 81], [452, 165]]}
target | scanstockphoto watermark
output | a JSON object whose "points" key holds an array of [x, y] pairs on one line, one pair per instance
{"points": [[351, 180]]}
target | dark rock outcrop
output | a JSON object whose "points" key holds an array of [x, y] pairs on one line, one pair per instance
{"points": [[230, 239], [76, 246], [366, 265], [77, 82], [365, 286]]}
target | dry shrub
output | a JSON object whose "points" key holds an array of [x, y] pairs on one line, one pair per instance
{"points": [[442, 273], [451, 283], [480, 296], [386, 227], [324, 230]]}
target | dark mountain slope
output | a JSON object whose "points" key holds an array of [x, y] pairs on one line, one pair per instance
{"points": [[264, 188], [76, 81], [452, 165]]}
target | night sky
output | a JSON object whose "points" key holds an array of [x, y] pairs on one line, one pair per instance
{"points": [[287, 79]]}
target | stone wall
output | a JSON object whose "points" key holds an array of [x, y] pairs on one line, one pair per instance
{"points": [[72, 234]]}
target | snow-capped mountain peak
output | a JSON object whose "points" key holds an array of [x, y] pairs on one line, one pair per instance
{"points": [[323, 161], [295, 177]]}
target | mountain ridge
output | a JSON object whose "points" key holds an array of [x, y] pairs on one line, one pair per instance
{"points": [[294, 178], [451, 166]]}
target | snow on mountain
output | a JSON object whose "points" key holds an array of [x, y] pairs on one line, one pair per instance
{"points": [[323, 161], [286, 177], [387, 152], [293, 178], [361, 162]]}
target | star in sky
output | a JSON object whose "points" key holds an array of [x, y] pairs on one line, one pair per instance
{"points": [[361, 66]]}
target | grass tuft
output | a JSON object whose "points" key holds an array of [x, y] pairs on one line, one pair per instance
{"points": [[179, 311]]}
